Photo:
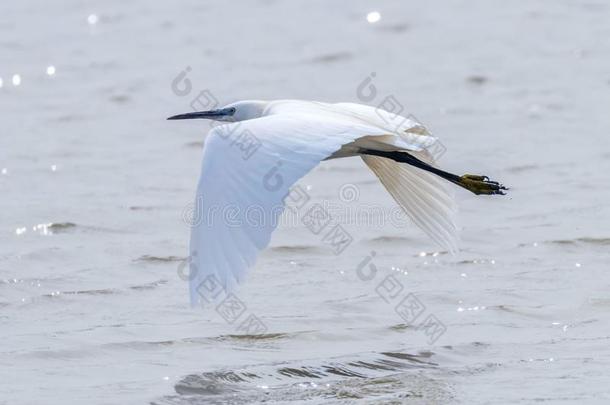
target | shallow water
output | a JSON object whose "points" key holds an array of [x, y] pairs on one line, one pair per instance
{"points": [[96, 186]]}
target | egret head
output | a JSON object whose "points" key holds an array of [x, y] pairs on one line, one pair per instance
{"points": [[238, 111]]}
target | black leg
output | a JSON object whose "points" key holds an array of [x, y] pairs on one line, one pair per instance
{"points": [[473, 183]]}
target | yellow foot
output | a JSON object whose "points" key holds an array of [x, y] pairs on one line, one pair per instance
{"points": [[481, 185]]}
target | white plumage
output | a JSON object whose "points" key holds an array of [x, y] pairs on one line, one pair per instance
{"points": [[250, 164]]}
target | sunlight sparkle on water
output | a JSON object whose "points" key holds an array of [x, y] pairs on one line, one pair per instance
{"points": [[373, 17], [1, 82], [16, 80], [50, 70], [92, 19], [475, 308], [43, 229]]}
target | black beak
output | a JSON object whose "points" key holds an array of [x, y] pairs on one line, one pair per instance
{"points": [[212, 114]]}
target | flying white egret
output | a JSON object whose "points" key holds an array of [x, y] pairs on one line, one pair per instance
{"points": [[265, 147]]}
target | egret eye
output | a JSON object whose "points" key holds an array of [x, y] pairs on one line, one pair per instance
{"points": [[232, 110]]}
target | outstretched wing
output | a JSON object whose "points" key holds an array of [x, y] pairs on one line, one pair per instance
{"points": [[423, 196], [408, 129], [248, 168]]}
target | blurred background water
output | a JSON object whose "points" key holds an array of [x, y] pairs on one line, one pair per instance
{"points": [[94, 185]]}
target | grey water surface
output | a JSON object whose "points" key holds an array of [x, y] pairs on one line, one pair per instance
{"points": [[96, 189]]}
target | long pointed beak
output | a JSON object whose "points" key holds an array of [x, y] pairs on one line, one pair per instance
{"points": [[212, 114]]}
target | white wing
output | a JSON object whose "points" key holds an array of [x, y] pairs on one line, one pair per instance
{"points": [[422, 195], [403, 133], [247, 171], [407, 128]]}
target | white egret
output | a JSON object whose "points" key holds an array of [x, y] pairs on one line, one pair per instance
{"points": [[252, 161]]}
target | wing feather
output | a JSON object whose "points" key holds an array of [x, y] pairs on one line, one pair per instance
{"points": [[241, 195], [423, 197]]}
